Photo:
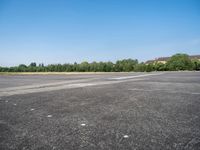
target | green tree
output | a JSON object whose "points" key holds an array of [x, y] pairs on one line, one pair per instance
{"points": [[179, 62], [125, 65], [140, 67], [33, 64], [21, 68], [149, 68], [94, 66], [84, 66], [196, 64], [41, 65], [75, 67], [109, 66], [160, 67]]}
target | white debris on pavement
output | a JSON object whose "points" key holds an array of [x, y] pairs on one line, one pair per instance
{"points": [[126, 136]]}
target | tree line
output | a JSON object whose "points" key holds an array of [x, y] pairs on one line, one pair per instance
{"points": [[175, 63]]}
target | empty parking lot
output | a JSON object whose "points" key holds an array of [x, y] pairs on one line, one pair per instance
{"points": [[159, 110]]}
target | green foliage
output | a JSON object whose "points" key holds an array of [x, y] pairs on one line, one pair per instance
{"points": [[84, 67], [149, 68], [196, 64], [176, 62], [126, 65], [160, 67], [140, 67], [179, 62], [33, 64]]}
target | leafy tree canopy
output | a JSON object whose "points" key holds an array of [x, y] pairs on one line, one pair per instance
{"points": [[179, 62]]}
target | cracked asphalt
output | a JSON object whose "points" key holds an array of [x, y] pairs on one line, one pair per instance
{"points": [[111, 111]]}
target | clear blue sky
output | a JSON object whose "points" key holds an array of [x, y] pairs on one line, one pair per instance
{"points": [[96, 30]]}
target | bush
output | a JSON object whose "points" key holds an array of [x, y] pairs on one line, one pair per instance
{"points": [[179, 62]]}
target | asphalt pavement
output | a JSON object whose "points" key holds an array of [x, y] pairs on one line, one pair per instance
{"points": [[110, 111]]}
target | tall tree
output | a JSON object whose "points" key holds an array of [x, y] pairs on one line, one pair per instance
{"points": [[179, 62]]}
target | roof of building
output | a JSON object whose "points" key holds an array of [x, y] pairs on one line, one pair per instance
{"points": [[195, 56]]}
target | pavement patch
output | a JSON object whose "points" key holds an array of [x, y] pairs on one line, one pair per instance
{"points": [[67, 85], [131, 77]]}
